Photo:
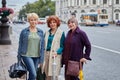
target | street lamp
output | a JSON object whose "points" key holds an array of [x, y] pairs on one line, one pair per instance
{"points": [[49, 11], [4, 27]]}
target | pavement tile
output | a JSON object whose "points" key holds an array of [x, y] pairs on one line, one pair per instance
{"points": [[7, 58]]}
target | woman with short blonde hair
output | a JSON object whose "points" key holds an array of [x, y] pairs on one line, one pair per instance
{"points": [[31, 46], [32, 15]]}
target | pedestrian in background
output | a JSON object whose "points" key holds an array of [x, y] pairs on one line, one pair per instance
{"points": [[75, 43], [54, 40], [31, 46]]}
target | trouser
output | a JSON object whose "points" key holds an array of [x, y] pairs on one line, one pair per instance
{"points": [[31, 64]]}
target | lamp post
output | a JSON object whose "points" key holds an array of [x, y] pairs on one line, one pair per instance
{"points": [[49, 11], [4, 27]]}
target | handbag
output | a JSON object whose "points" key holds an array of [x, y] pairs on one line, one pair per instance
{"points": [[40, 75], [73, 68], [17, 70]]}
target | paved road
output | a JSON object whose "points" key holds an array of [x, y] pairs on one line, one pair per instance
{"points": [[105, 53]]}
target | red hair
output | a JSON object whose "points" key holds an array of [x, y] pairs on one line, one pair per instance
{"points": [[55, 18]]}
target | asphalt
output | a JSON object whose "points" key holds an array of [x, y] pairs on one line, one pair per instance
{"points": [[8, 57]]}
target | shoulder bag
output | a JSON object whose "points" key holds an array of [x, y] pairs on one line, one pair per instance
{"points": [[73, 68], [17, 70]]}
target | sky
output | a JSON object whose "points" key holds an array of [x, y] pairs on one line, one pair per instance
{"points": [[16, 4]]}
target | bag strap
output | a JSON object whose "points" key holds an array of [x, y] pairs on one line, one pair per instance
{"points": [[81, 67], [80, 64], [26, 75], [20, 61]]}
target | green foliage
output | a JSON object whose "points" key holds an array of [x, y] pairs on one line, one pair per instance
{"points": [[40, 7]]}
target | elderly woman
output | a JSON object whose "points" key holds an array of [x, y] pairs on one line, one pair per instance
{"points": [[75, 43], [54, 39], [31, 46]]}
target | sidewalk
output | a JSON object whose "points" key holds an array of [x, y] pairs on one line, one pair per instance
{"points": [[7, 57]]}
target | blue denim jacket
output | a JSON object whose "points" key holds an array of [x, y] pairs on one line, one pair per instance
{"points": [[23, 43]]}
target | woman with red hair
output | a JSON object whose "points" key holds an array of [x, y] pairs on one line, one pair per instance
{"points": [[54, 40]]}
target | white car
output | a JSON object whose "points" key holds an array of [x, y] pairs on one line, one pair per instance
{"points": [[42, 21]]}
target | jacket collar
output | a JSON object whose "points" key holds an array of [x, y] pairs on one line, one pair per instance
{"points": [[38, 30], [77, 30]]}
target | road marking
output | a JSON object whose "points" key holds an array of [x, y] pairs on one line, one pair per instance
{"points": [[110, 50], [103, 32]]}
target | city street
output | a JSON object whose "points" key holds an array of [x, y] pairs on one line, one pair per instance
{"points": [[104, 32], [105, 52]]}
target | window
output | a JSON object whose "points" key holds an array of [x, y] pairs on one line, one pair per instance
{"points": [[104, 1], [94, 1], [92, 10], [117, 16], [117, 1], [103, 16], [85, 2], [77, 2], [82, 11], [104, 11], [86, 17]]}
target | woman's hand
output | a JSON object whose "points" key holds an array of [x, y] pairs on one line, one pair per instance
{"points": [[40, 65], [55, 54], [83, 60]]}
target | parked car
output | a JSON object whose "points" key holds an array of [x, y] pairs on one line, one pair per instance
{"points": [[19, 22], [118, 23], [42, 21]]}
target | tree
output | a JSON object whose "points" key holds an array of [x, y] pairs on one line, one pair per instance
{"points": [[40, 7]]}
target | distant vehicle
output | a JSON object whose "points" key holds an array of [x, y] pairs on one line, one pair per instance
{"points": [[89, 23], [42, 21], [102, 20], [94, 19], [19, 22], [118, 23]]}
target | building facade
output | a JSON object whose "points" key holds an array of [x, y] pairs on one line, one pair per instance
{"points": [[64, 8]]}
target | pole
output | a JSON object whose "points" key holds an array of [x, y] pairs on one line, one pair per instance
{"points": [[4, 27], [3, 3]]}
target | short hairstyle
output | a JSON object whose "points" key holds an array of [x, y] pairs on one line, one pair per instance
{"points": [[30, 15], [73, 20], [53, 17]]}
